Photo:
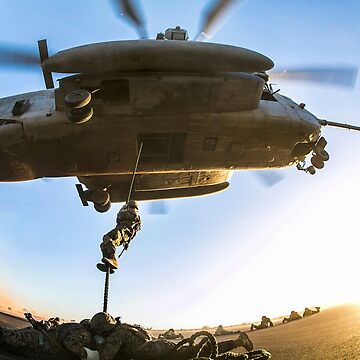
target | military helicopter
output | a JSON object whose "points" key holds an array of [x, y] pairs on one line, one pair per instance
{"points": [[196, 110]]}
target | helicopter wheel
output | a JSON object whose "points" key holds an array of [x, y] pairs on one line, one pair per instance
{"points": [[77, 98], [102, 208], [81, 115], [317, 162], [322, 154], [100, 197], [311, 170]]}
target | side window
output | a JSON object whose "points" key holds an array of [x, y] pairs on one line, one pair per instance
{"points": [[168, 148]]}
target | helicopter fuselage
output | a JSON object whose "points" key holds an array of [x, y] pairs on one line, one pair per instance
{"points": [[197, 120], [187, 123]]}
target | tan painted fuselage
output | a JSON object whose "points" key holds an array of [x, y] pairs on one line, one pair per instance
{"points": [[196, 127]]}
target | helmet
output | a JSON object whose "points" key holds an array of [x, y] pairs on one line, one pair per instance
{"points": [[102, 322], [85, 322], [133, 204]]}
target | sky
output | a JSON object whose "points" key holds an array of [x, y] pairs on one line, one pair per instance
{"points": [[222, 259]]}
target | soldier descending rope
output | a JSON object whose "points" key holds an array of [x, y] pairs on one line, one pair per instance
{"points": [[128, 223]]}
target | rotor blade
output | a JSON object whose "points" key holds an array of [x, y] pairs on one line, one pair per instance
{"points": [[268, 178], [340, 76], [131, 12], [15, 55], [158, 208], [212, 14]]}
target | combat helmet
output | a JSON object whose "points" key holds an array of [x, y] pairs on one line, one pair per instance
{"points": [[133, 204], [102, 322]]}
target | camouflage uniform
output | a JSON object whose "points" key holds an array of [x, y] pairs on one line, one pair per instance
{"points": [[128, 223], [170, 335], [70, 337], [125, 342], [293, 316], [221, 331], [265, 323], [308, 312]]}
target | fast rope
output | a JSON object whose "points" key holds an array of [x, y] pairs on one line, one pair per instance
{"points": [[108, 269], [106, 289]]}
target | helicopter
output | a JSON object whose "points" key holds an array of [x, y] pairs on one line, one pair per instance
{"points": [[191, 112]]}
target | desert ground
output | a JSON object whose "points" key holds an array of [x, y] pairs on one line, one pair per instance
{"points": [[333, 334]]}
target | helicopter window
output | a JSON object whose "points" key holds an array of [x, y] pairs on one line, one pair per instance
{"points": [[209, 144], [162, 147], [113, 91], [266, 95]]}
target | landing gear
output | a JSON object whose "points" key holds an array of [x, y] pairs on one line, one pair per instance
{"points": [[311, 170], [322, 154], [318, 158], [100, 198], [78, 103], [102, 208], [317, 162]]}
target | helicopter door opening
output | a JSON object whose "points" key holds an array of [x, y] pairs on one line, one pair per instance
{"points": [[162, 148]]}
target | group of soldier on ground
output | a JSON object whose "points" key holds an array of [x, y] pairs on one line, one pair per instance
{"points": [[294, 315], [266, 322], [106, 338]]}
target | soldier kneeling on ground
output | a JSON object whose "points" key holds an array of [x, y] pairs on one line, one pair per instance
{"points": [[105, 338], [265, 323], [293, 316]]}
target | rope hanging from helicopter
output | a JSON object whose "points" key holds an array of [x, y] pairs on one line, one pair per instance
{"points": [[126, 245]]}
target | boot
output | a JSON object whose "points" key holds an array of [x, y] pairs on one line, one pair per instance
{"points": [[102, 267], [244, 341], [112, 262]]}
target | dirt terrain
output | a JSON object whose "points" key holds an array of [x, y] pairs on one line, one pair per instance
{"points": [[333, 334]]}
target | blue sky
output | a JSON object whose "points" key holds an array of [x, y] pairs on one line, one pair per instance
{"points": [[226, 258]]}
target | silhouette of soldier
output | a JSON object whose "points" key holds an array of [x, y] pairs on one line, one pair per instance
{"points": [[128, 223], [221, 331], [265, 323], [293, 316], [308, 312]]}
